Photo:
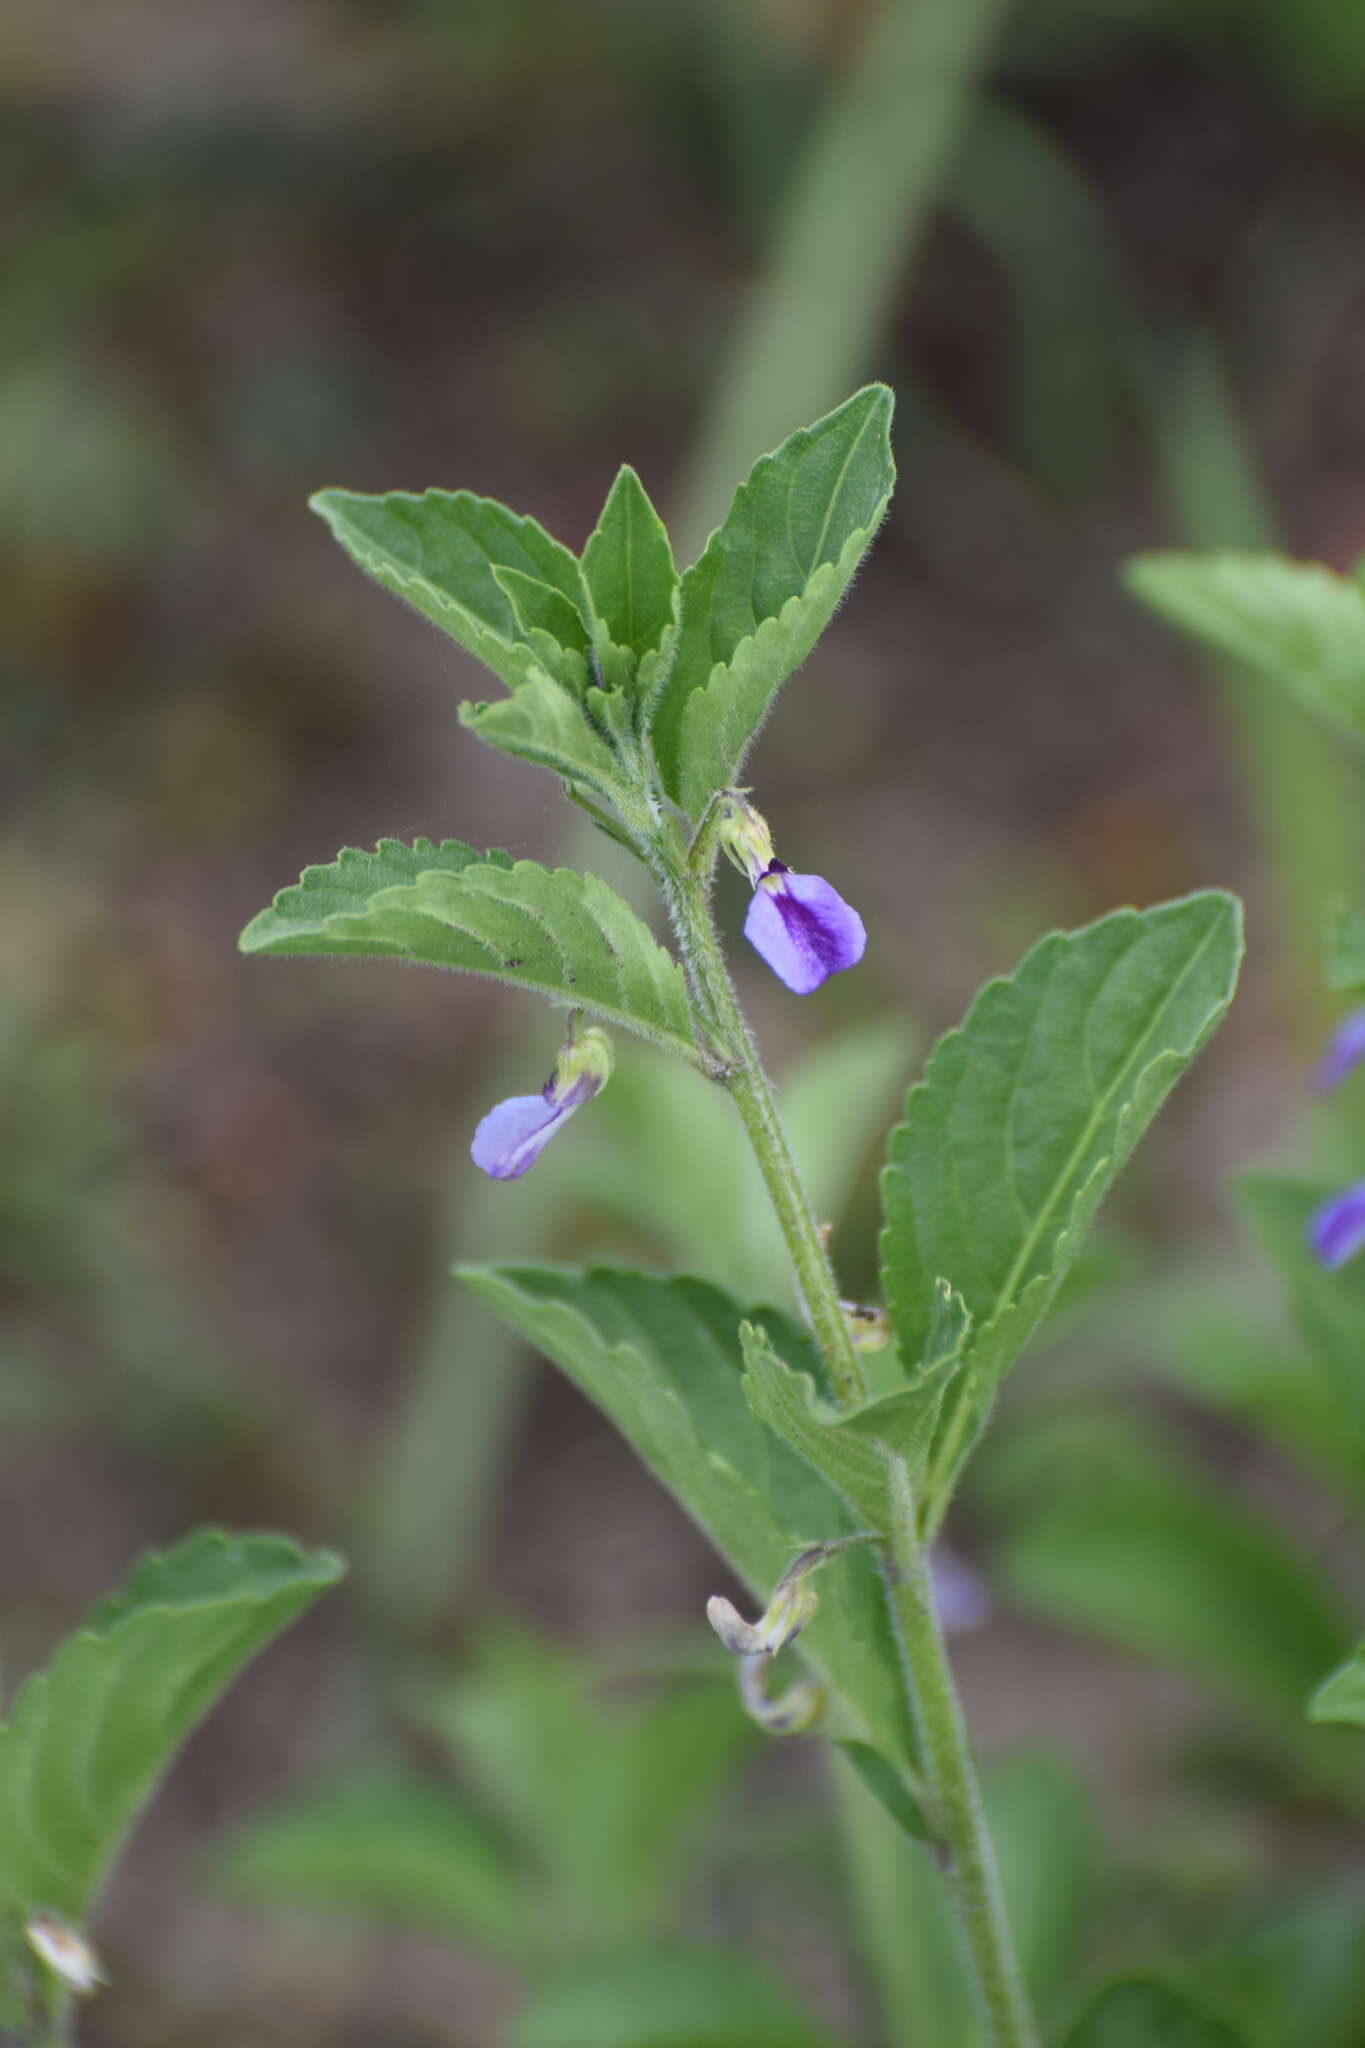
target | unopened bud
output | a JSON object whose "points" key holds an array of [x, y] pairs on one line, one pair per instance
{"points": [[743, 832], [67, 1954], [584, 1066], [795, 1712], [791, 1607]]}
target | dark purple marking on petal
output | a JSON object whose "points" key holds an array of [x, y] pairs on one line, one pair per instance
{"points": [[512, 1136], [1337, 1232], [803, 928], [1345, 1051]]}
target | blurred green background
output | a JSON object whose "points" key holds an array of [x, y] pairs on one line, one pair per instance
{"points": [[1109, 256]]}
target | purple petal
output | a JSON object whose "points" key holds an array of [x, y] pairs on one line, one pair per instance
{"points": [[803, 928], [512, 1136], [1337, 1231], [1345, 1051]]}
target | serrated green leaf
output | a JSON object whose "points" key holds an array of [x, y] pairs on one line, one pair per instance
{"points": [[567, 935], [539, 608], [1342, 1696], [855, 1449], [394, 1848], [1346, 949], [628, 568], [1141, 2012], [545, 724], [1297, 622], [299, 919], [661, 1358], [552, 628], [1107, 1527], [766, 587], [439, 551], [1025, 1115], [89, 1736], [671, 1998], [1328, 1307]]}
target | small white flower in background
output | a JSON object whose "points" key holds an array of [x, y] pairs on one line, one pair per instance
{"points": [[67, 1954]]}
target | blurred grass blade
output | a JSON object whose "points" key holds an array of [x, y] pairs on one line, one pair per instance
{"points": [[845, 241]]}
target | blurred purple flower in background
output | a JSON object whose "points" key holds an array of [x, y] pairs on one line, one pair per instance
{"points": [[512, 1136], [1345, 1051], [1337, 1231], [960, 1596]]}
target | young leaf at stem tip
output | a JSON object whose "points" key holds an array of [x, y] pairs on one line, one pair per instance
{"points": [[440, 552], [628, 568], [766, 587]]}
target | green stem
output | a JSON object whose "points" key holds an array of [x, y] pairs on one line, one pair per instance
{"points": [[946, 1756], [753, 1097], [57, 2017], [950, 1771]]}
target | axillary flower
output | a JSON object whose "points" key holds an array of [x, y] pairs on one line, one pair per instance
{"points": [[512, 1136], [799, 923]]}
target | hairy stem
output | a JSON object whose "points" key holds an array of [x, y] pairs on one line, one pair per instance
{"points": [[753, 1097], [946, 1756], [58, 2017], [950, 1772]]}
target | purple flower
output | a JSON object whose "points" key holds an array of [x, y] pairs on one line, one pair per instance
{"points": [[960, 1597], [1345, 1051], [803, 928], [512, 1136], [1337, 1232]]}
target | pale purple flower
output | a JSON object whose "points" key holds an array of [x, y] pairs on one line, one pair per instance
{"points": [[1345, 1051], [803, 928], [961, 1600], [1337, 1231], [512, 1136]]}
